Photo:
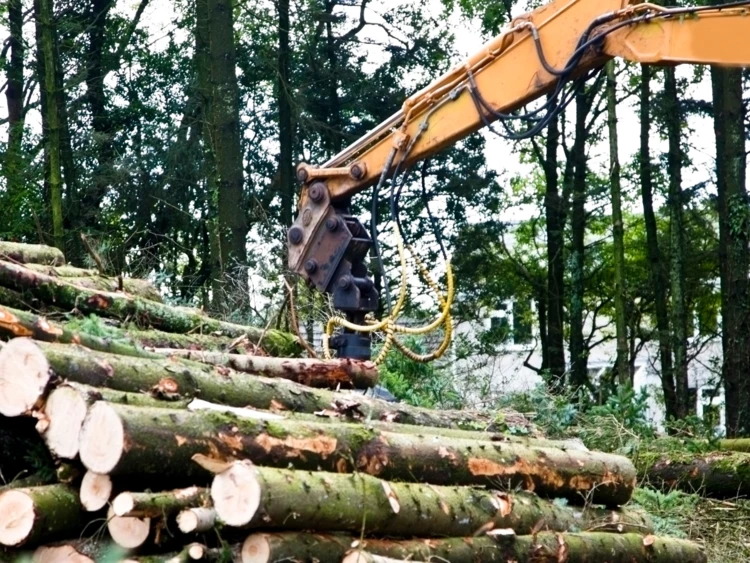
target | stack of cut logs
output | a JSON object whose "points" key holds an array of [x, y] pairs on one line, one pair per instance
{"points": [[177, 437]]}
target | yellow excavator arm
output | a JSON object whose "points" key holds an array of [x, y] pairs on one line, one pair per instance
{"points": [[540, 51]]}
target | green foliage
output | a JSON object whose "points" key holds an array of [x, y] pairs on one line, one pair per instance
{"points": [[93, 325], [668, 511], [555, 415], [422, 385]]}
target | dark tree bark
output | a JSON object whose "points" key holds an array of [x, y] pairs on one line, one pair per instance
{"points": [[103, 128], [555, 216], [14, 162], [657, 270], [618, 236], [286, 128], [48, 71], [578, 355], [729, 117], [675, 202], [218, 85]]}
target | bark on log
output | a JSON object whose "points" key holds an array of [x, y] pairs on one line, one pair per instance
{"points": [[15, 323], [33, 514], [245, 495], [220, 385], [31, 253], [160, 504], [91, 279], [196, 520], [144, 312], [594, 547], [344, 373], [715, 475], [160, 443]]}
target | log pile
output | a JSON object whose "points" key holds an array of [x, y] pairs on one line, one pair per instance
{"points": [[173, 436]]}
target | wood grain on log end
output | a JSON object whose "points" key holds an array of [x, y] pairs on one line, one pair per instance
{"points": [[24, 373], [256, 549], [102, 439], [96, 489], [17, 517], [65, 410], [236, 494], [128, 532], [60, 554]]}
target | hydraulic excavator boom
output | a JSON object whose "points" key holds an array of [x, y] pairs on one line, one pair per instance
{"points": [[539, 54]]}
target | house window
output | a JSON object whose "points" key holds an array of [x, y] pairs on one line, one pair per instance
{"points": [[499, 329]]}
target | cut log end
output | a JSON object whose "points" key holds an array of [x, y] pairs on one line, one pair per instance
{"points": [[256, 549], [364, 557], [24, 373], [123, 504], [196, 520], [65, 410], [236, 494], [17, 517], [102, 439], [196, 551], [128, 532], [59, 554], [95, 491]]}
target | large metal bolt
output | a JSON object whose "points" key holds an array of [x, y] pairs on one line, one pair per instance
{"points": [[345, 282], [357, 171], [332, 224], [295, 235], [302, 175], [311, 266], [317, 190]]}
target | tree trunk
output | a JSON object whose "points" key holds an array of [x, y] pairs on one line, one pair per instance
{"points": [[330, 374], [48, 69], [219, 385], [103, 128], [286, 127], [34, 514], [679, 312], [125, 307], [729, 119], [555, 217], [161, 443], [618, 235], [657, 273], [14, 159], [545, 546], [262, 497], [715, 475], [161, 504], [578, 355], [215, 37]]}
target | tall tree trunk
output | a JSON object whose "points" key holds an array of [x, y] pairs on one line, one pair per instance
{"points": [[286, 128], [93, 195], [677, 242], [657, 272], [14, 167], [334, 115], [578, 353], [48, 69], [555, 216], [218, 84], [618, 236], [729, 118]]}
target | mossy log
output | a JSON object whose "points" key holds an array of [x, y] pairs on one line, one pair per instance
{"points": [[331, 374], [67, 405], [15, 323], [34, 514], [715, 475], [224, 386], [91, 279], [591, 547], [160, 443], [735, 445], [31, 253], [262, 497], [143, 311], [159, 504]]}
